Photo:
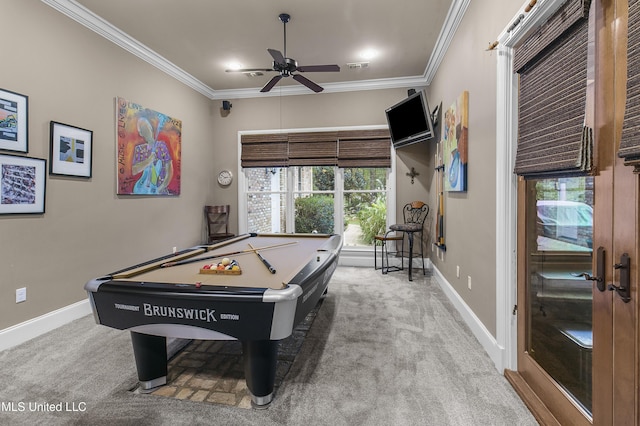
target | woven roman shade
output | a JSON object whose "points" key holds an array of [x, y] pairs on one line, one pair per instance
{"points": [[313, 149], [264, 150], [364, 148], [348, 148], [630, 142], [552, 64]]}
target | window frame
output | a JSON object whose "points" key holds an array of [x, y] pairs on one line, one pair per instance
{"points": [[338, 191]]}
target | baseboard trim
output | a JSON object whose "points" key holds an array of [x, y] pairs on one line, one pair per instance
{"points": [[20, 333], [486, 339], [364, 259]]}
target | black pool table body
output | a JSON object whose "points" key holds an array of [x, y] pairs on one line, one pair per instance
{"points": [[257, 307]]}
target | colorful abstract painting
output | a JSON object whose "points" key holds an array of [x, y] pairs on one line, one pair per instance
{"points": [[455, 138], [148, 155]]}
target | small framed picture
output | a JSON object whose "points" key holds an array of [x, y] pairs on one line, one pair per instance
{"points": [[71, 150], [14, 121], [22, 184]]}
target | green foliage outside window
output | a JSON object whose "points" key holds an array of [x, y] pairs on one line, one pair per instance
{"points": [[323, 179], [354, 178], [314, 214], [373, 220]]}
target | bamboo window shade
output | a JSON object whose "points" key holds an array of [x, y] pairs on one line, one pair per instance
{"points": [[552, 63], [264, 150], [346, 148], [367, 148], [630, 142], [313, 149]]}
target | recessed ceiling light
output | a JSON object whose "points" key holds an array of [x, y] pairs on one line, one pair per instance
{"points": [[368, 53], [234, 66]]}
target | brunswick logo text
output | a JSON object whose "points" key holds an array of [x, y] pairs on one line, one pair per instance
{"points": [[206, 315]]}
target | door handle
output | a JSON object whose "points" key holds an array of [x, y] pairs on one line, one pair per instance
{"points": [[599, 277], [624, 289]]}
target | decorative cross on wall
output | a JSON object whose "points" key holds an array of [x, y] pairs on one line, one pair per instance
{"points": [[413, 174]]}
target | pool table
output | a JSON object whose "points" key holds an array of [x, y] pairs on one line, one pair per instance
{"points": [[281, 278]]}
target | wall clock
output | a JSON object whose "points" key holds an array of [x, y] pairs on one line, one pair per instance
{"points": [[225, 177]]}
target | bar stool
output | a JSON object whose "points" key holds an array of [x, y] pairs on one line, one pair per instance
{"points": [[382, 241], [414, 213]]}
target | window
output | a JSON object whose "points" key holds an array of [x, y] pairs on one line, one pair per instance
{"points": [[325, 181], [265, 199], [364, 205], [351, 202], [559, 240]]}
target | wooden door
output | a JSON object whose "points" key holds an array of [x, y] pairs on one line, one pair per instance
{"points": [[615, 357], [615, 369]]}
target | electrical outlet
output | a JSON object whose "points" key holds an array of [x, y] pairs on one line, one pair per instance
{"points": [[457, 271], [21, 294], [469, 282]]}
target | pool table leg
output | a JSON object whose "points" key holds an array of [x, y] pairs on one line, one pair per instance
{"points": [[260, 358], [151, 359]]}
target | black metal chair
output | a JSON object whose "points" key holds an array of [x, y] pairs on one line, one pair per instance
{"points": [[415, 214]]}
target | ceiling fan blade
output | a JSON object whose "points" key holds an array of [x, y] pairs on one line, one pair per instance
{"points": [[319, 68], [271, 83], [276, 55], [251, 70], [310, 84]]}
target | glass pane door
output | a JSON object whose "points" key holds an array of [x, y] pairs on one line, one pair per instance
{"points": [[559, 249]]}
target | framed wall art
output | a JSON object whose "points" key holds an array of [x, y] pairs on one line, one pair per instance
{"points": [[148, 152], [455, 137], [14, 121], [71, 150], [22, 184]]}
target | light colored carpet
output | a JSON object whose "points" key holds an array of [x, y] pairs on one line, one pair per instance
{"points": [[381, 351], [213, 371]]}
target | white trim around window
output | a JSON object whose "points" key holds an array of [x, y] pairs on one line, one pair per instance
{"points": [[350, 256]]}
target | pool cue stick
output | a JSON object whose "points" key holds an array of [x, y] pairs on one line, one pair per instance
{"points": [[265, 261], [183, 262]]}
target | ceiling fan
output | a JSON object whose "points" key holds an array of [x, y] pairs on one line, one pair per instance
{"points": [[287, 66]]}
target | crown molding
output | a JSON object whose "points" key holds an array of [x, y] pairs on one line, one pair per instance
{"points": [[98, 25], [416, 82], [95, 23], [451, 24]]}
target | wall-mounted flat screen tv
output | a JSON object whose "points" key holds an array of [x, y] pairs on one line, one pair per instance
{"points": [[410, 120]]}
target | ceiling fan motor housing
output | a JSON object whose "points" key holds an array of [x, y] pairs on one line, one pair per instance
{"points": [[286, 68]]}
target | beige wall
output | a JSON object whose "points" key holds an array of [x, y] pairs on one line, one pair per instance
{"points": [[308, 111], [72, 75], [470, 216]]}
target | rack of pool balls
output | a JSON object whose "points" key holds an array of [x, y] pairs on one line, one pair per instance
{"points": [[225, 266]]}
